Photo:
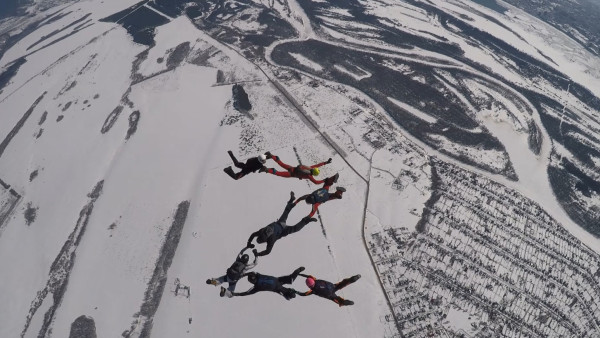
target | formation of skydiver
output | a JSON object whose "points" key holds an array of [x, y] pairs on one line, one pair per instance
{"points": [[279, 229]]}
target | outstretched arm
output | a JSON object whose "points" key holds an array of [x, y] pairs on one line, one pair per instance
{"points": [[252, 291], [267, 250], [321, 164], [242, 252], [312, 178], [303, 294], [301, 198], [252, 265], [307, 293], [255, 234]]}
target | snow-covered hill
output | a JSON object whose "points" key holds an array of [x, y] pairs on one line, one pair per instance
{"points": [[452, 127]]}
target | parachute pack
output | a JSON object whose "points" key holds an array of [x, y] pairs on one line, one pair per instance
{"points": [[235, 271], [318, 196], [270, 230]]}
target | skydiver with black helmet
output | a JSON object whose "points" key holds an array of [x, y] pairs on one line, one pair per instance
{"points": [[267, 283], [235, 271], [278, 229]]}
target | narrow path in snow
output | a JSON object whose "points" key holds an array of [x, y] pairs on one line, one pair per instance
{"points": [[562, 117], [158, 12], [364, 238]]}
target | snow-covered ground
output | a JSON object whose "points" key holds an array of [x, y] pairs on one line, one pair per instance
{"points": [[176, 154], [106, 140]]}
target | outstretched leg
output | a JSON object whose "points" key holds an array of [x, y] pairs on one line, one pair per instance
{"points": [[289, 206], [329, 181], [233, 175], [283, 165], [315, 207], [341, 301], [217, 281], [272, 171], [289, 279], [230, 294], [231, 286], [230, 172], [346, 282], [312, 179], [292, 229], [235, 161], [337, 194]]}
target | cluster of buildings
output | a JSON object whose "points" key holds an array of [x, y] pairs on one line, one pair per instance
{"points": [[486, 261]]}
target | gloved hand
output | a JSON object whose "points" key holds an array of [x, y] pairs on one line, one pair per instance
{"points": [[250, 245], [289, 294], [255, 252], [329, 160]]}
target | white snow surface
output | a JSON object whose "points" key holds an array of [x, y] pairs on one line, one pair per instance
{"points": [[177, 154], [303, 60], [422, 115]]}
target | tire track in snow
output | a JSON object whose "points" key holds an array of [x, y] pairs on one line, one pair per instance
{"points": [[143, 320], [562, 117], [57, 62], [157, 11], [19, 124], [60, 270], [70, 53], [9, 199], [12, 197]]}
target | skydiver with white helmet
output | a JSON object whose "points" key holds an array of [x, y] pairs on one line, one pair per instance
{"points": [[252, 165]]}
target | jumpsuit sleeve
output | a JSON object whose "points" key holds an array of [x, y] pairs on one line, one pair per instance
{"points": [[241, 252], [268, 249], [312, 178], [301, 198], [315, 207], [255, 234], [318, 165], [303, 294], [252, 291], [251, 265]]}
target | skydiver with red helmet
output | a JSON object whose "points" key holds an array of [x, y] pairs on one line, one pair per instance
{"points": [[325, 289]]}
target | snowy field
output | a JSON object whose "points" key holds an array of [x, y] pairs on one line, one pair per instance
{"points": [[112, 183], [176, 154]]}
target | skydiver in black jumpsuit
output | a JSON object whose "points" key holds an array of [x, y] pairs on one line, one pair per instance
{"points": [[276, 230], [325, 289], [267, 283], [252, 165]]}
